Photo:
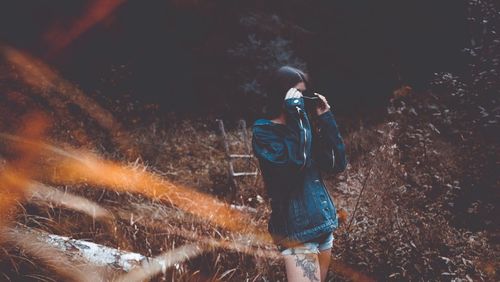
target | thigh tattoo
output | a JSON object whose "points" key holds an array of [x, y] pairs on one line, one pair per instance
{"points": [[308, 264]]}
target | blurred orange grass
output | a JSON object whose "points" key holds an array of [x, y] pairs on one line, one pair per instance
{"points": [[78, 167], [14, 178]]}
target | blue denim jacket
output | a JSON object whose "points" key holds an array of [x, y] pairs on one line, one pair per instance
{"points": [[292, 159]]}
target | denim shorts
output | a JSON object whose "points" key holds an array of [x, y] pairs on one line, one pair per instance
{"points": [[313, 246]]}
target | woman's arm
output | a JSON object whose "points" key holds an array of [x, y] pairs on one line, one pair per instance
{"points": [[330, 152]]}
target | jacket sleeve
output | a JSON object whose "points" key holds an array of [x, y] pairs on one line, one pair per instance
{"points": [[330, 149], [292, 151]]}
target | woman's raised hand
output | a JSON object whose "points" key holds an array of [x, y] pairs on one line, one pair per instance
{"points": [[293, 93], [323, 106]]}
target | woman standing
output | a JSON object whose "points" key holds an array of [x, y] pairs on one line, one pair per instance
{"points": [[292, 157]]}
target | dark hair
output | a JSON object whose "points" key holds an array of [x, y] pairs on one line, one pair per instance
{"points": [[280, 81]]}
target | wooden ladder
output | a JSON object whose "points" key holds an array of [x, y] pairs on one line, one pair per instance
{"points": [[231, 157]]}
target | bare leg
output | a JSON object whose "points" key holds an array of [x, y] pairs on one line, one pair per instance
{"points": [[324, 262], [302, 267]]}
